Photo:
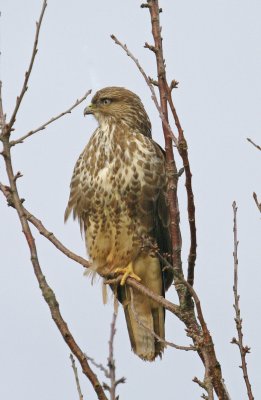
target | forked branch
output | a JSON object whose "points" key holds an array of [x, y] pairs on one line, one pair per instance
{"points": [[53, 119]]}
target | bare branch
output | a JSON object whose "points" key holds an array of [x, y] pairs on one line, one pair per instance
{"points": [[47, 292], [76, 377], [110, 371], [175, 309], [183, 151], [28, 72], [97, 365], [239, 342], [256, 201], [207, 386], [2, 116], [150, 85], [254, 144], [43, 231], [43, 126], [111, 362]]}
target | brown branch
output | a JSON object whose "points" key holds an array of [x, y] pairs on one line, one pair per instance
{"points": [[203, 345], [183, 151], [244, 350], [256, 201], [166, 98], [76, 377], [6, 190], [80, 260], [99, 366], [171, 168], [43, 126], [173, 308], [46, 290], [203, 340], [14, 199], [28, 72], [254, 144]]}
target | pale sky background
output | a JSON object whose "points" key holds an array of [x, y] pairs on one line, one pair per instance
{"points": [[213, 49]]}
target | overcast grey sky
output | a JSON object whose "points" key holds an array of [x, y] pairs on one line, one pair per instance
{"points": [[213, 50]]}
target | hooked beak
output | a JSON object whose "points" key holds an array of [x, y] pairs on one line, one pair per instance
{"points": [[88, 110]]}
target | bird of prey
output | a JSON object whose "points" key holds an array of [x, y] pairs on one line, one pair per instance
{"points": [[118, 194]]}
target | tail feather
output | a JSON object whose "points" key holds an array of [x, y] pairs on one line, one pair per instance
{"points": [[143, 318]]}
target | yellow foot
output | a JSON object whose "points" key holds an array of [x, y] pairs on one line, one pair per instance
{"points": [[127, 271]]}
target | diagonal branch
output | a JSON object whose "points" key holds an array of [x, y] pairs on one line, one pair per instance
{"points": [[254, 144], [47, 292], [175, 309], [151, 87], [43, 126], [28, 72], [256, 201], [244, 350], [42, 230]]}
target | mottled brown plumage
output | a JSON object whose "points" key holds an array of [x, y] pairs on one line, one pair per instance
{"points": [[118, 194]]}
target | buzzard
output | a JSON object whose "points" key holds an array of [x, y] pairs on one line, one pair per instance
{"points": [[118, 194]]}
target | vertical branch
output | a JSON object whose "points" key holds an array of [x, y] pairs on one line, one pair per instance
{"points": [[165, 96], [2, 116], [111, 361], [76, 377], [244, 350], [171, 168]]}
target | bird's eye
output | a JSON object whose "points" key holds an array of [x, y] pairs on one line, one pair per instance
{"points": [[106, 101]]}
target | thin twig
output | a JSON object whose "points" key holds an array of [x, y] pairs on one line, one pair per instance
{"points": [[254, 144], [256, 201], [76, 377], [111, 361], [154, 334], [2, 116], [97, 365], [43, 231], [150, 84], [28, 72], [43, 126], [110, 371], [244, 350]]}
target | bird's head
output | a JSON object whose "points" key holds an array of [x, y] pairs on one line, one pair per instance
{"points": [[119, 105]]}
